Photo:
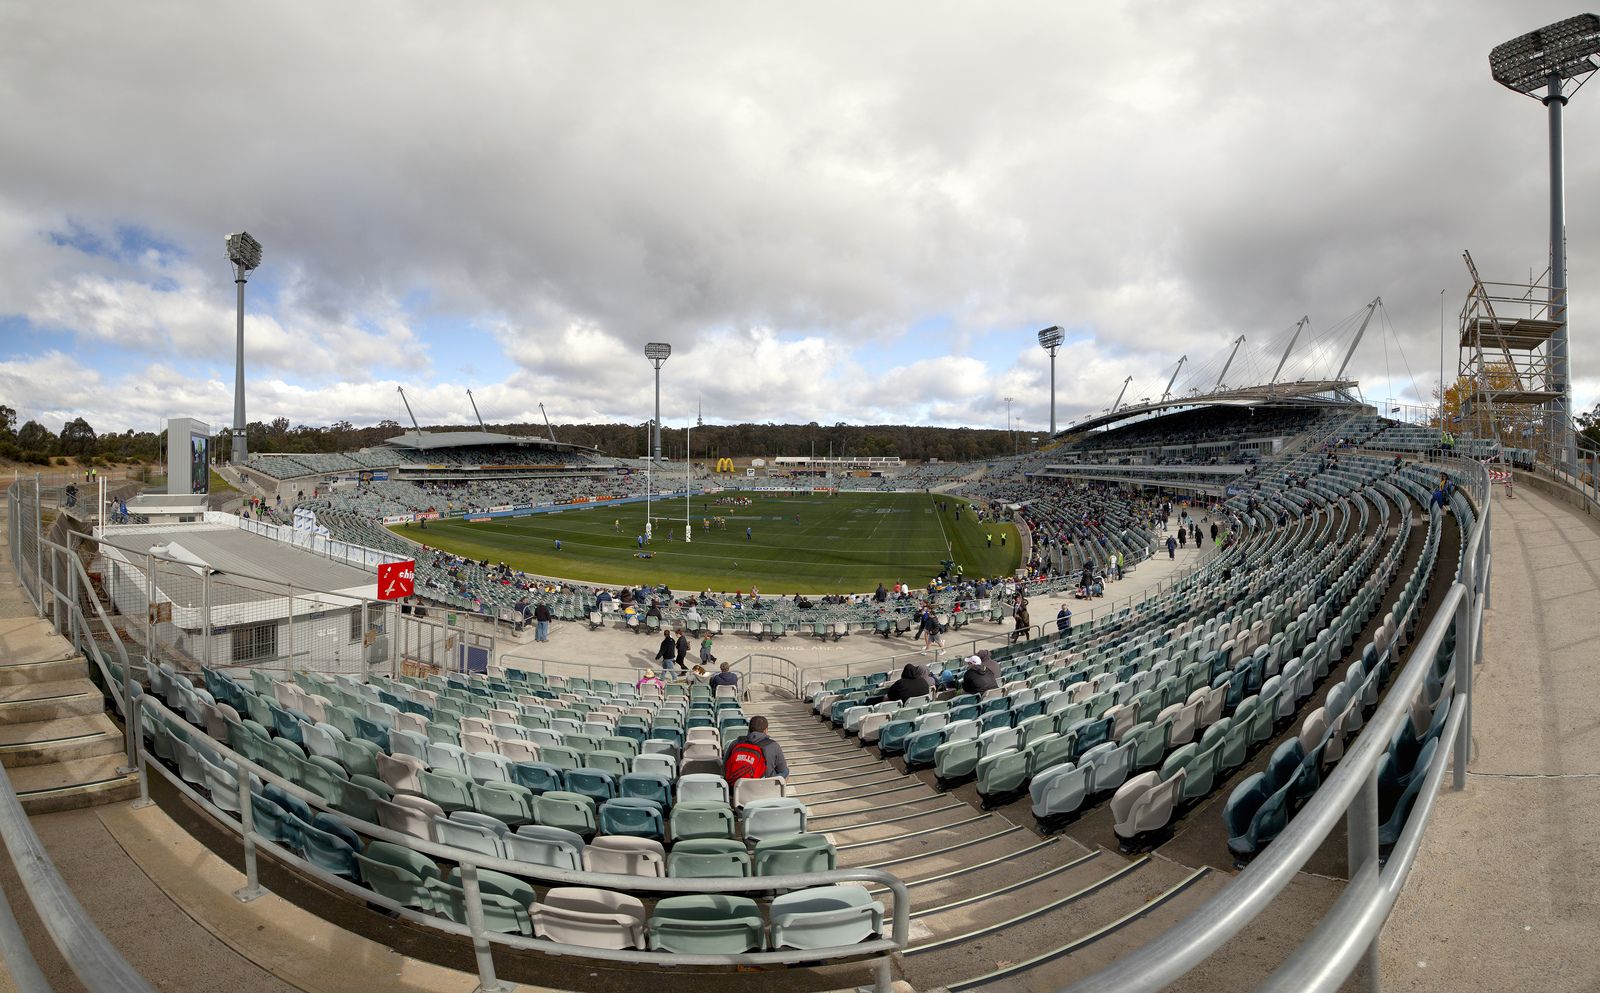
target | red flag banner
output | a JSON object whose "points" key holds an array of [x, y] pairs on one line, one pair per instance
{"points": [[396, 580]]}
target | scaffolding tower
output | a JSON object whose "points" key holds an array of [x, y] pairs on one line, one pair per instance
{"points": [[1507, 376]]}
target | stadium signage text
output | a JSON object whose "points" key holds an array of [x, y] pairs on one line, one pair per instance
{"points": [[396, 580]]}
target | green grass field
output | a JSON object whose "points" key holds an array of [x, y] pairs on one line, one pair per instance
{"points": [[842, 544]]}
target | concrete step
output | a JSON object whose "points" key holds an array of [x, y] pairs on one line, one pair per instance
{"points": [[55, 670], [72, 784], [31, 639], [70, 738], [48, 701]]}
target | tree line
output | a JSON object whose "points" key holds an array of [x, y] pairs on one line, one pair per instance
{"points": [[31, 441]]}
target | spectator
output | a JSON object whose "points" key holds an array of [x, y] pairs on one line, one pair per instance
{"points": [[541, 620], [706, 658], [668, 652], [726, 677], [977, 678], [681, 646], [771, 751], [911, 684], [649, 679], [1064, 619]]}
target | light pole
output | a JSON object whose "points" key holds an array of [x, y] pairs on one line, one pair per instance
{"points": [[1547, 58], [657, 352], [1050, 339], [245, 254], [688, 460], [1008, 427]]}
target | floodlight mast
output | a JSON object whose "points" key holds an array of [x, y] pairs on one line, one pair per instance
{"points": [[245, 254], [1548, 57], [657, 352], [1050, 339]]}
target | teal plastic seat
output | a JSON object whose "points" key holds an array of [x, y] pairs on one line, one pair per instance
{"points": [[825, 917], [633, 816], [715, 924], [703, 858], [501, 914], [508, 802], [397, 873], [1003, 772], [956, 759], [359, 756], [598, 786], [450, 790], [571, 811], [701, 819], [537, 777], [794, 854], [328, 851], [646, 786]]}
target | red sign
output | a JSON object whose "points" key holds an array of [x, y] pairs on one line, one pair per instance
{"points": [[396, 579]]}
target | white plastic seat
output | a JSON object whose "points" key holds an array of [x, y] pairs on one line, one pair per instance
{"points": [[580, 915], [771, 818], [625, 856], [1060, 789], [1145, 803], [702, 786], [750, 789], [472, 837]]}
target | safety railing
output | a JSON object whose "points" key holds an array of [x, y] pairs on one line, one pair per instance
{"points": [[92, 958], [879, 950], [1347, 935]]}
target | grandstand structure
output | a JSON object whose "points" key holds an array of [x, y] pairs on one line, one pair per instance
{"points": [[1209, 784]]}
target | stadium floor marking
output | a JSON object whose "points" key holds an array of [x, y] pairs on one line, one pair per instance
{"points": [[1011, 829], [1082, 942], [974, 867], [1030, 914], [887, 820], [913, 834], [863, 796], [1019, 884], [850, 786]]}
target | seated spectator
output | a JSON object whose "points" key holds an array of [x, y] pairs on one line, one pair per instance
{"points": [[725, 676], [649, 679], [977, 678], [913, 682]]}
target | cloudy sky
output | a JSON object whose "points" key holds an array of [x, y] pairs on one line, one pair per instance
{"points": [[833, 211]]}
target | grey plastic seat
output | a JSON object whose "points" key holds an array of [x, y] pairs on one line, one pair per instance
{"points": [[539, 844], [825, 917], [1059, 790], [708, 858]]}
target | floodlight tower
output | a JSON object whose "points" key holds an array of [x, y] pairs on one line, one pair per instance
{"points": [[657, 352], [245, 254], [1548, 58], [1050, 339]]}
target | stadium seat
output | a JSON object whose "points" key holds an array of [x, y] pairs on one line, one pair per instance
{"points": [[399, 874], [825, 917], [708, 857], [579, 915], [538, 844], [715, 924]]}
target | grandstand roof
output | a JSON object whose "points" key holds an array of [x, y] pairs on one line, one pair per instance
{"points": [[257, 567], [428, 440], [1307, 393]]}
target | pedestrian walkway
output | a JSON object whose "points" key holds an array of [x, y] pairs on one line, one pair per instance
{"points": [[1505, 894]]}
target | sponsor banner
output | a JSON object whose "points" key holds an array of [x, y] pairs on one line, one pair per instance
{"points": [[502, 507], [478, 520], [396, 579], [425, 515], [399, 519]]}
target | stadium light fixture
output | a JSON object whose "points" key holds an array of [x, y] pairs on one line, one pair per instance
{"points": [[1050, 339], [245, 254], [1548, 58], [657, 352]]}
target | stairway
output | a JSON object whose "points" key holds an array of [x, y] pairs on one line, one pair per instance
{"points": [[994, 903], [58, 747]]}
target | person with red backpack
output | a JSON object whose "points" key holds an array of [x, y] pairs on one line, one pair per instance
{"points": [[755, 755]]}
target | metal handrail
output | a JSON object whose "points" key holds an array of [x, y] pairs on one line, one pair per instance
{"points": [[92, 958], [251, 840], [1351, 790]]}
